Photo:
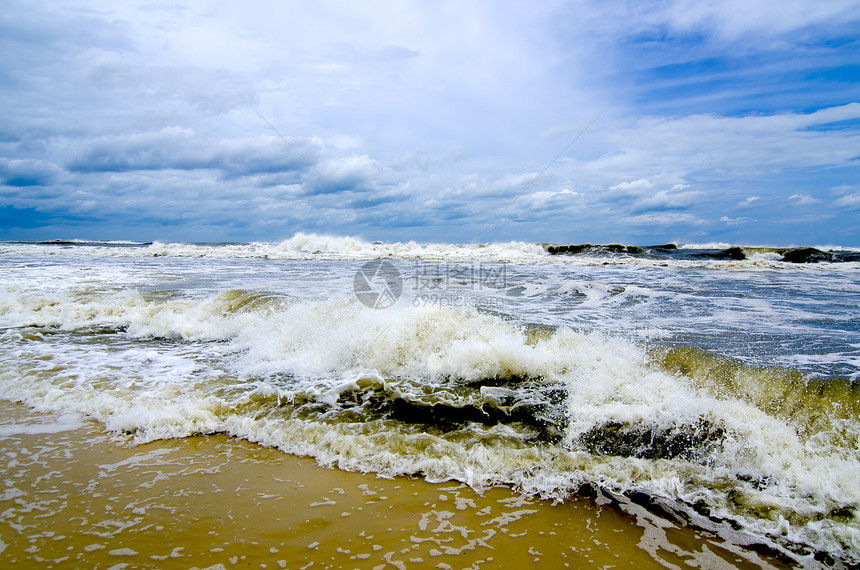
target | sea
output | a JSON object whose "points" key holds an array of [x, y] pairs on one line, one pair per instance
{"points": [[716, 386]]}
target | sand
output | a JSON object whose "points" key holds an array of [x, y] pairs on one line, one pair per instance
{"points": [[74, 496]]}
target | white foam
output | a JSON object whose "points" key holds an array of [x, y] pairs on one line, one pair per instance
{"points": [[300, 246], [51, 424], [708, 245], [313, 243]]}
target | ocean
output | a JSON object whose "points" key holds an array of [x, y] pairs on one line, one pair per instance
{"points": [[709, 389]]}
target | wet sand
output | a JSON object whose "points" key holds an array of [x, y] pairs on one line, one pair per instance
{"points": [[76, 497]]}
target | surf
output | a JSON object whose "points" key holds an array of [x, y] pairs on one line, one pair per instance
{"points": [[453, 394]]}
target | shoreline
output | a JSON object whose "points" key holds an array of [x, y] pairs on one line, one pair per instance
{"points": [[76, 496]]}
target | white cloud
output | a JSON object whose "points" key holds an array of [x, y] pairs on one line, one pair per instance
{"points": [[668, 200], [349, 171], [546, 199], [733, 143], [756, 19], [634, 186], [735, 221], [851, 201], [664, 218], [803, 199]]}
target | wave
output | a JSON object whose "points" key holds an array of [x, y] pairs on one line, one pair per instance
{"points": [[315, 246], [708, 245], [721, 251], [454, 394], [85, 242], [826, 409]]}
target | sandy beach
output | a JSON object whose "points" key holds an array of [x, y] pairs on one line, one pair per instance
{"points": [[74, 496]]}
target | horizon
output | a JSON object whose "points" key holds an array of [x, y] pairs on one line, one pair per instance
{"points": [[325, 237], [564, 122]]}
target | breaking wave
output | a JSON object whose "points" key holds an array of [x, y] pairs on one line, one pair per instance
{"points": [[316, 246], [454, 394]]}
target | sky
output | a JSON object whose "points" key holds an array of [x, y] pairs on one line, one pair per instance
{"points": [[599, 121]]}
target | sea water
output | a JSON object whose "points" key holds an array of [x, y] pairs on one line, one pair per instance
{"points": [[721, 391]]}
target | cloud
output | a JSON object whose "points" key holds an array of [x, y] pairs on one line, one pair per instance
{"points": [[756, 21], [735, 221], [663, 219], [166, 148], [673, 199], [686, 57], [850, 201], [23, 173], [633, 187], [739, 143], [429, 121], [803, 199], [544, 199], [177, 148]]}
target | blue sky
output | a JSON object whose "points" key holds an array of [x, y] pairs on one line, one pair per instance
{"points": [[690, 121]]}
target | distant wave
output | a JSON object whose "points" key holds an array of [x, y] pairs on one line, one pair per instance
{"points": [[84, 242], [310, 246]]}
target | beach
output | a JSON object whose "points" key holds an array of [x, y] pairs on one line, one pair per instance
{"points": [[76, 497]]}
